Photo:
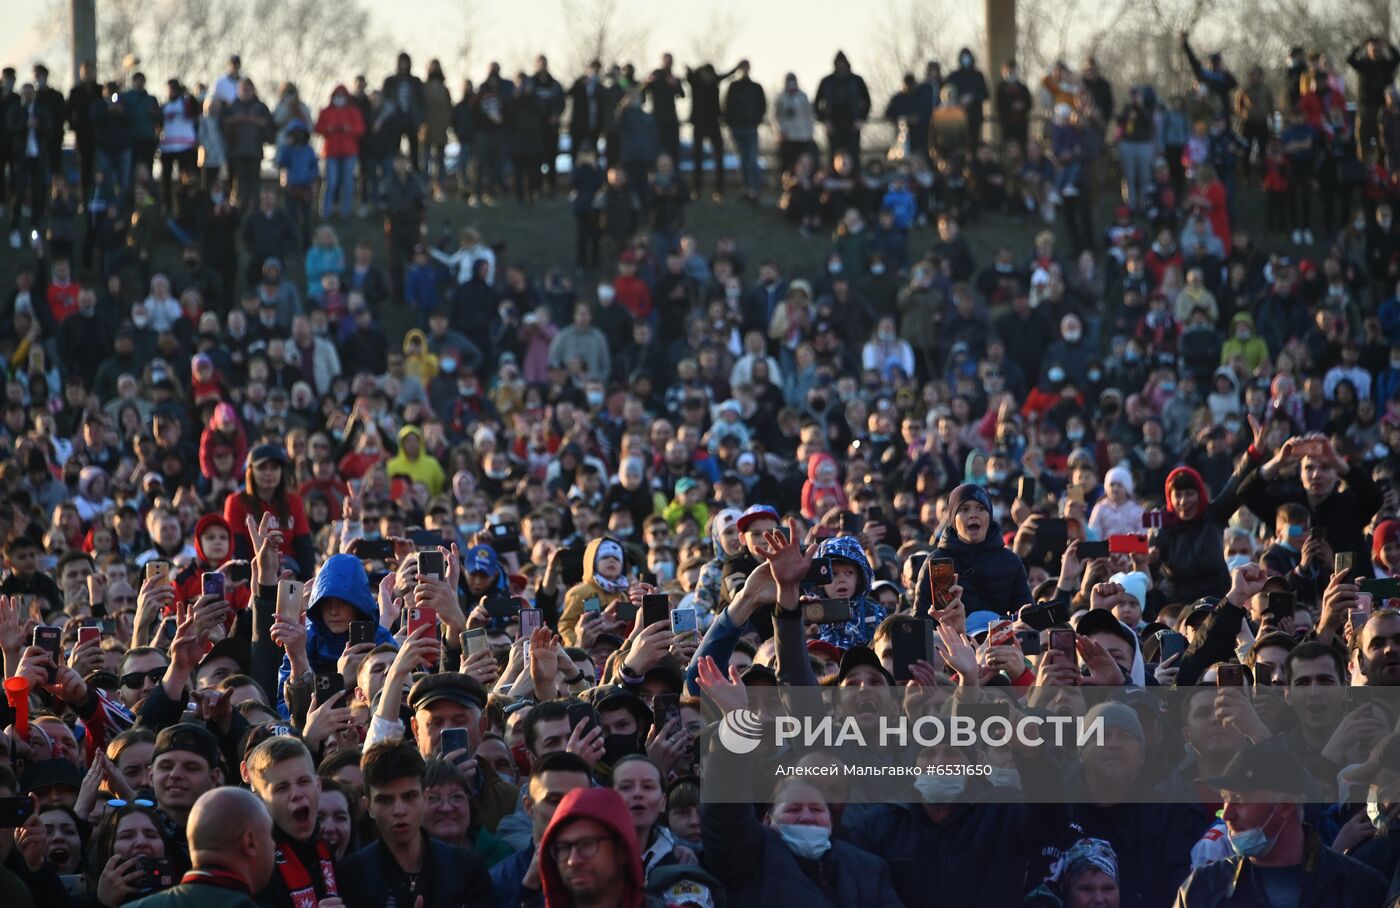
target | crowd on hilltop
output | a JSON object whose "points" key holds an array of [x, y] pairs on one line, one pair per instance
{"points": [[297, 614]]}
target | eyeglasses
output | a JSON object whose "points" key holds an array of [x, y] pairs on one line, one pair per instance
{"points": [[134, 679], [116, 803], [585, 848]]}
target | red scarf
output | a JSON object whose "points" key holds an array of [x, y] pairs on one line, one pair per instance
{"points": [[298, 880]]}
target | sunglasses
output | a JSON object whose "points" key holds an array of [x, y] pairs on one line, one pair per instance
{"points": [[133, 679], [117, 803]]}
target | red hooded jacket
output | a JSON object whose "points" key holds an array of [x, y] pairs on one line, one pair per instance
{"points": [[604, 806], [189, 582], [812, 488], [1201, 490]]}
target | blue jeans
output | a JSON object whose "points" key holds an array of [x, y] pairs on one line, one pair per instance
{"points": [[116, 169], [340, 186], [746, 142]]}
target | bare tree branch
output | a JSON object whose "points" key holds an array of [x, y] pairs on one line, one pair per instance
{"points": [[712, 42]]}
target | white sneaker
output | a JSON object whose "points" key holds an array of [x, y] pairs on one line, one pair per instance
{"points": [[14, 239], [1308, 237], [1297, 238]]}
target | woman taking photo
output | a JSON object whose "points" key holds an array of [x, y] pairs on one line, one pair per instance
{"points": [[128, 837], [991, 576], [268, 490]]}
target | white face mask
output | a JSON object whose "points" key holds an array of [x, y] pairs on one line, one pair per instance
{"points": [[1005, 777], [809, 842], [936, 789], [605, 293]]}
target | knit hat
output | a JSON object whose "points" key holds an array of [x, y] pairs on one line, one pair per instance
{"points": [[1387, 531], [1116, 717], [608, 547], [968, 492], [1123, 476], [1134, 583]]}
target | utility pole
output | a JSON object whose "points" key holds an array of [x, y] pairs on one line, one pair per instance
{"points": [[84, 14], [1001, 44]]}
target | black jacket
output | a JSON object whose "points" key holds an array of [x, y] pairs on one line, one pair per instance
{"points": [[745, 104], [456, 877], [1328, 879], [1344, 514], [1190, 561], [991, 575]]}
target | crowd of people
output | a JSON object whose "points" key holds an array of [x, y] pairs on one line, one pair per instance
{"points": [[295, 614]]}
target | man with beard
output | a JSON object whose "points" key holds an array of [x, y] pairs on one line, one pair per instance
{"points": [[282, 773], [184, 765], [1378, 652]]}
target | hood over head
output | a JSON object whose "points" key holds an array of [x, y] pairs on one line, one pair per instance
{"points": [[848, 548], [205, 522], [343, 577], [605, 807]]}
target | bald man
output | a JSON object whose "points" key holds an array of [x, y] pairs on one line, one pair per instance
{"points": [[231, 850]]}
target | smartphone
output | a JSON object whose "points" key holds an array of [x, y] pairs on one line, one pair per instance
{"points": [[14, 811], [89, 633], [155, 873], [1229, 674], [625, 611], [827, 611], [211, 583], [1043, 617], [431, 564], [1052, 535], [1169, 643], [580, 712], [1127, 544], [1358, 617], [362, 632], [819, 574], [664, 708], [591, 604], [1090, 549], [236, 572], [1075, 494], [373, 549], [570, 564], [1025, 489], [1029, 642], [158, 570], [47, 637], [850, 523], [999, 633], [1381, 587], [455, 739], [912, 640], [1062, 641], [474, 641], [501, 606], [940, 574], [289, 599], [1364, 602], [656, 608], [1281, 605], [875, 515], [1318, 534], [328, 684], [530, 618], [505, 538], [426, 539], [422, 616], [1153, 520], [1342, 562], [684, 621]]}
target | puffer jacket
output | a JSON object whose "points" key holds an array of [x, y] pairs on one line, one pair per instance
{"points": [[341, 127], [866, 613], [991, 576], [581, 592], [1190, 561], [1328, 878]]}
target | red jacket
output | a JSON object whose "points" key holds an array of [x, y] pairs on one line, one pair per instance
{"points": [[341, 127], [633, 295], [62, 300], [189, 583], [606, 808]]}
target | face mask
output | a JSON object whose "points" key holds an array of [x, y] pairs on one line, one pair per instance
{"points": [[1075, 434], [1385, 223], [140, 321], [338, 102], [1378, 818], [965, 59], [595, 398], [605, 293], [887, 336], [448, 364], [468, 389], [1131, 356], [1235, 562], [1056, 374], [834, 267], [936, 789], [996, 475], [664, 571], [1095, 375], [1253, 843], [467, 529], [877, 269], [1167, 387], [1073, 336], [1359, 224], [1005, 777], [622, 532], [808, 842]]}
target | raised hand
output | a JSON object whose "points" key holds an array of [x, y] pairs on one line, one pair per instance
{"points": [[786, 557], [726, 693]]}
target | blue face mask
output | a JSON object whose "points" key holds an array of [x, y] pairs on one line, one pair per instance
{"points": [[809, 842], [665, 570], [1167, 387], [1235, 562], [467, 529], [936, 789], [1253, 843]]}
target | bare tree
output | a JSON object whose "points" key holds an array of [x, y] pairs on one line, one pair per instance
{"points": [[601, 30], [711, 43], [470, 24], [904, 38]]}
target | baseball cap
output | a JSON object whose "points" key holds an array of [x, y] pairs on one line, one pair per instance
{"points": [[1101, 620], [265, 452], [190, 738], [480, 559], [240, 651], [453, 687], [1267, 766], [756, 512], [685, 484], [615, 697], [51, 773], [824, 650], [979, 622]]}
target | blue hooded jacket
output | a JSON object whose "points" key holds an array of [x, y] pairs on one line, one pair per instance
{"points": [[866, 613], [341, 577]]}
